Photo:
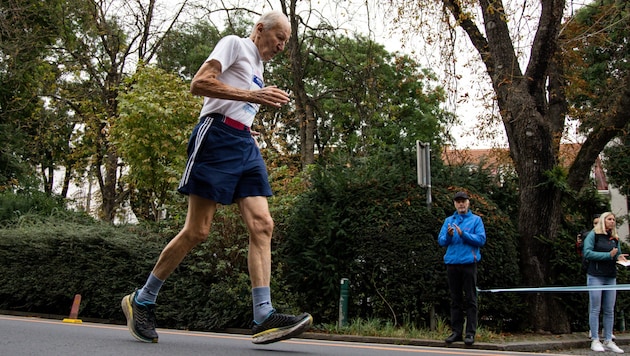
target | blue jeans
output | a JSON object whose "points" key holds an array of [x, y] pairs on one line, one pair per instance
{"points": [[603, 300]]}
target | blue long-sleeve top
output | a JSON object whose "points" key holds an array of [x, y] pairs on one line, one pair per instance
{"points": [[600, 253], [597, 249], [464, 248]]}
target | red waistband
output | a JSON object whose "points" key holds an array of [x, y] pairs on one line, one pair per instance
{"points": [[230, 122]]}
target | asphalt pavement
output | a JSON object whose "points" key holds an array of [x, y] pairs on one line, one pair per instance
{"points": [[29, 336], [572, 344]]}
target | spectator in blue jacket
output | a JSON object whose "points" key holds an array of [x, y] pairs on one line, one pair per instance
{"points": [[462, 234]]}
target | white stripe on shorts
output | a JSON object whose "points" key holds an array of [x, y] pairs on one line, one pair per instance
{"points": [[201, 134]]}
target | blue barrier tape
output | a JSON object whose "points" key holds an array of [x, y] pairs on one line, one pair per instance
{"points": [[559, 289]]}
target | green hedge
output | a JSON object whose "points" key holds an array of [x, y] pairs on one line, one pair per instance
{"points": [[46, 262]]}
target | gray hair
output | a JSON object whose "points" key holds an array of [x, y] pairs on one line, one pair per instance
{"points": [[270, 20]]}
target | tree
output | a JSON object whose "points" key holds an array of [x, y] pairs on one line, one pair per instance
{"points": [[349, 94], [361, 97], [311, 28], [185, 48], [157, 114], [392, 100], [533, 107], [95, 52], [28, 29], [596, 54]]}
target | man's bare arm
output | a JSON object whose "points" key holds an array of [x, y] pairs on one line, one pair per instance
{"points": [[205, 83]]}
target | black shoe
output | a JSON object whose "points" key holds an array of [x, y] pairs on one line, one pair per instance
{"points": [[140, 318], [280, 327], [469, 340], [454, 337]]}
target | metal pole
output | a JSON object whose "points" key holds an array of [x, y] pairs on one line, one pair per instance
{"points": [[424, 168], [343, 302]]}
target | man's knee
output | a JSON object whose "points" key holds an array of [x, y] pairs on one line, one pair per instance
{"points": [[262, 225], [262, 230], [267, 225], [195, 236]]}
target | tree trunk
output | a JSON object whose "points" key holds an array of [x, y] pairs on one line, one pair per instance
{"points": [[306, 121], [538, 221], [534, 151], [109, 193], [533, 129]]}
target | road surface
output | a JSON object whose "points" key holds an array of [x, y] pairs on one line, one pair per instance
{"points": [[42, 337]]}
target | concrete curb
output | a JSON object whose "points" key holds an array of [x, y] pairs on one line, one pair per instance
{"points": [[521, 346]]}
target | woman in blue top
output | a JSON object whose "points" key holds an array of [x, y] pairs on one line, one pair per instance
{"points": [[602, 250], [462, 234]]}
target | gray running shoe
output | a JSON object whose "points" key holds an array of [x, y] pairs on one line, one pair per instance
{"points": [[140, 318], [279, 327]]}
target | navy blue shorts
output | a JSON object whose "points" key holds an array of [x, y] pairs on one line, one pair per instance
{"points": [[224, 163]]}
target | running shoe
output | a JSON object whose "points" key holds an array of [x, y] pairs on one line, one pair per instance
{"points": [[140, 318], [279, 327]]}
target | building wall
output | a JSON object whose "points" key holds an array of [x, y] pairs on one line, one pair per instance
{"points": [[619, 207]]}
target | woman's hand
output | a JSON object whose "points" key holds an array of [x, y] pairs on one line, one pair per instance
{"points": [[613, 252]]}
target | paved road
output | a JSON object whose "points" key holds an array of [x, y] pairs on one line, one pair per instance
{"points": [[35, 336]]}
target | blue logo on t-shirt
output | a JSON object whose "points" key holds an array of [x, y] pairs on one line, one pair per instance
{"points": [[258, 81]]}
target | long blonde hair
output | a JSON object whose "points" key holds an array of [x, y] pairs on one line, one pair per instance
{"points": [[600, 228]]}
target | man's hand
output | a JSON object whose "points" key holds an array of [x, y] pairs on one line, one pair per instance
{"points": [[271, 96]]}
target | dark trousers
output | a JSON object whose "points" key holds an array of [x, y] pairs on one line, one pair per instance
{"points": [[462, 283]]}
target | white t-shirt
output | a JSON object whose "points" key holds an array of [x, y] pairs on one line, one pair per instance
{"points": [[242, 68]]}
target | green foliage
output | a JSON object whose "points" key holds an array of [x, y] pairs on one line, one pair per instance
{"points": [[209, 290], [186, 47], [66, 258], [557, 177], [157, 114], [597, 61], [363, 97], [16, 206], [365, 220], [27, 30]]}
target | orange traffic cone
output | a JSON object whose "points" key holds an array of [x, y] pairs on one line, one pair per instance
{"points": [[74, 311]]}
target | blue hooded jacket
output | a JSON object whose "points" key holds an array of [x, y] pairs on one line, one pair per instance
{"points": [[465, 248]]}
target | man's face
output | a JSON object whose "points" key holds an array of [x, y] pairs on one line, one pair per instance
{"points": [[271, 41], [461, 205]]}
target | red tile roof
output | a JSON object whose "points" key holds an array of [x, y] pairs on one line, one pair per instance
{"points": [[494, 158]]}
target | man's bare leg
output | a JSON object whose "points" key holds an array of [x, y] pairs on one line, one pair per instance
{"points": [[269, 326], [195, 231], [139, 306]]}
